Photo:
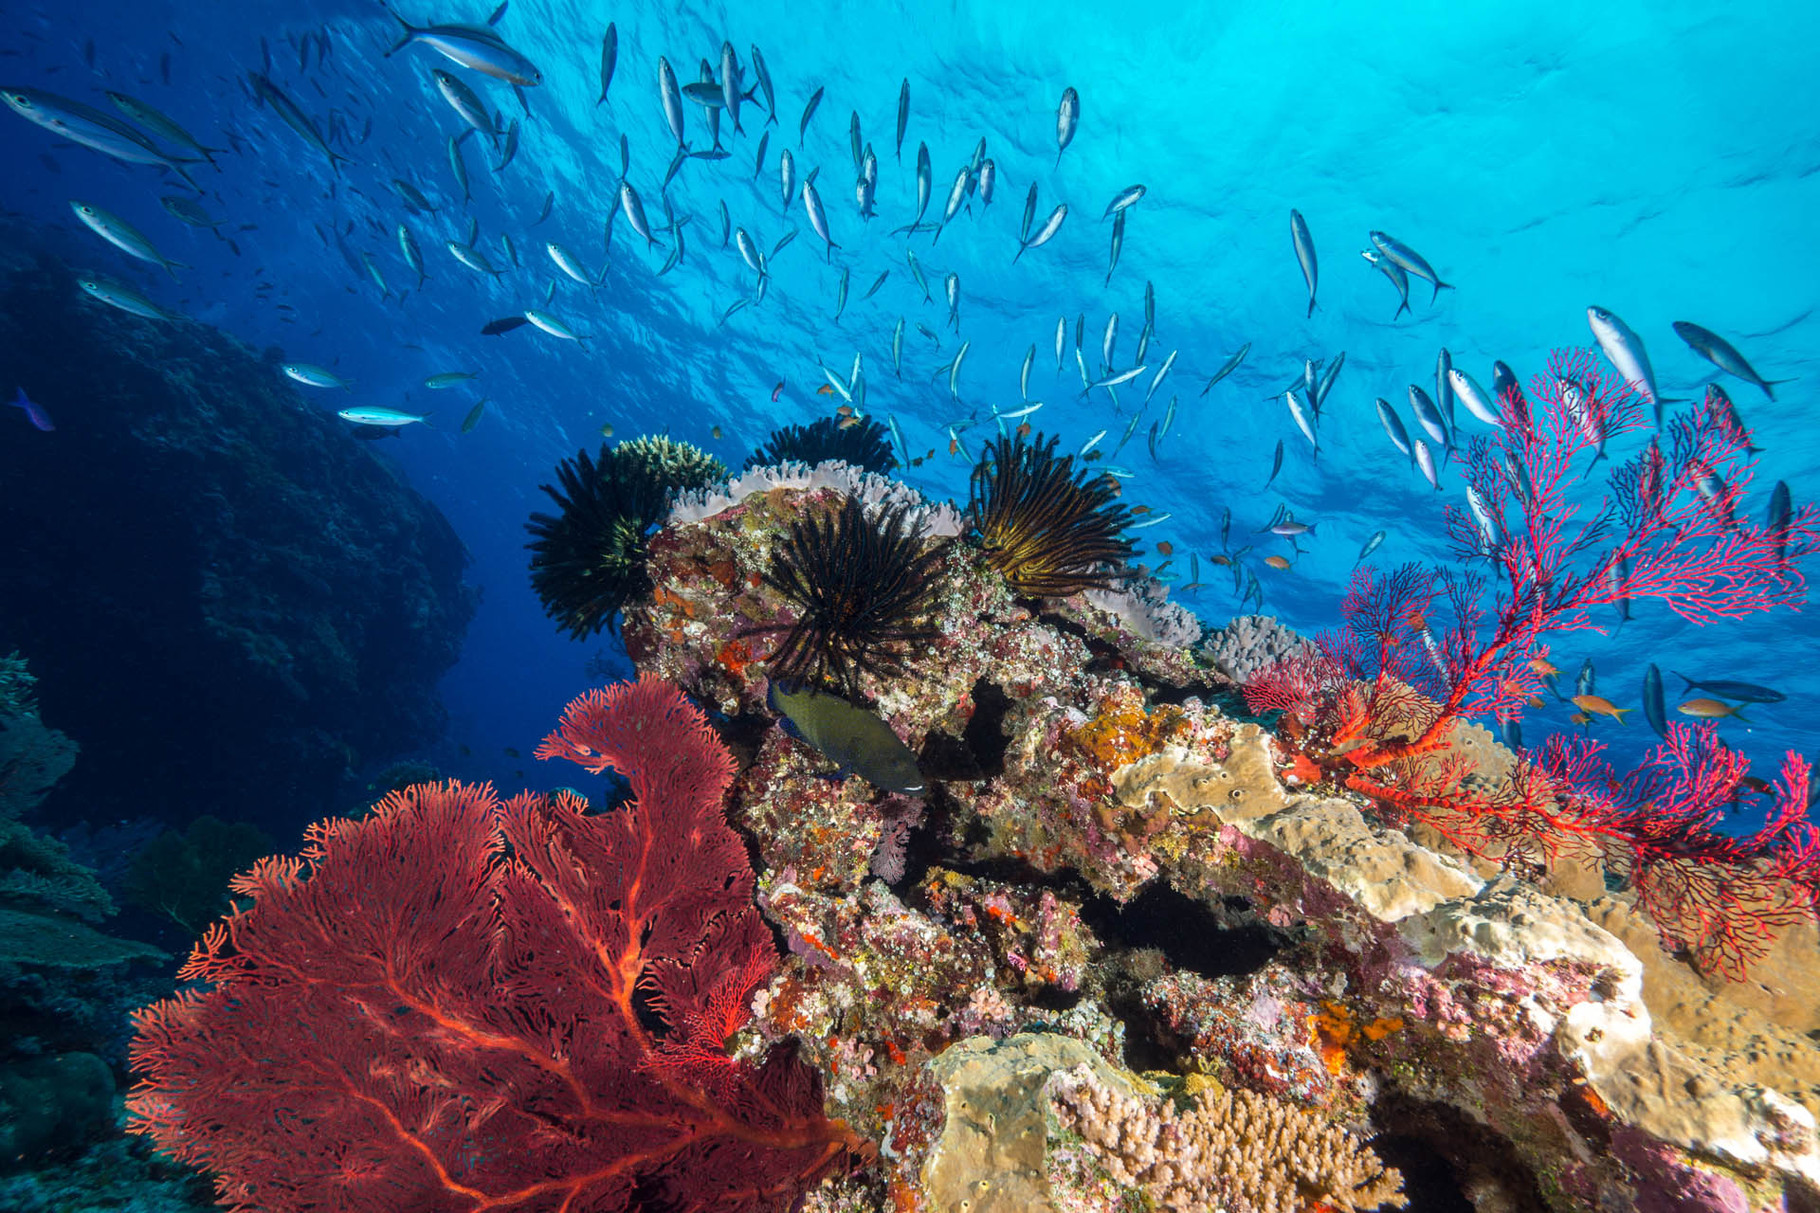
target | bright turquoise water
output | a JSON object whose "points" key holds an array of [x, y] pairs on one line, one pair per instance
{"points": [[1657, 159]]}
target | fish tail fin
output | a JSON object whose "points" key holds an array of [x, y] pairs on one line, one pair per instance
{"points": [[1310, 315], [1671, 399], [405, 37], [171, 267], [1401, 308], [1737, 714], [1687, 684], [1439, 287], [1767, 384], [1021, 246]]}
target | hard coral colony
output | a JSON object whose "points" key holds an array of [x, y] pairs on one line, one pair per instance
{"points": [[621, 1029]]}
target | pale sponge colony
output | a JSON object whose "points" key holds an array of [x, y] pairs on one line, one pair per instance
{"points": [[1231, 1149]]}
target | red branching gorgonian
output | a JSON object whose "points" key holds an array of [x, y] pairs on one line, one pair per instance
{"points": [[457, 1005], [1375, 705]]}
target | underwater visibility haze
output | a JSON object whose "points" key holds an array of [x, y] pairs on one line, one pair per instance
{"points": [[384, 380]]}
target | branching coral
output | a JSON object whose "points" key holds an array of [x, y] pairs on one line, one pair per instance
{"points": [[863, 443], [1048, 531], [588, 561], [1234, 1149], [861, 589], [1375, 705]]}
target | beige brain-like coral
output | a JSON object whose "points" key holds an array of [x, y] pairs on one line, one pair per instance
{"points": [[1233, 1150]]}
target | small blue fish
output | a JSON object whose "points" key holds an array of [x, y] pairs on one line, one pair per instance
{"points": [[33, 412]]}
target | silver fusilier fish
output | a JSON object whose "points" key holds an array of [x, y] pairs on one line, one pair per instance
{"points": [[748, 251], [1044, 234], [1429, 416], [1393, 426], [1722, 354], [786, 173], [609, 59], [671, 94], [1426, 461], [1469, 393], [1398, 278], [471, 257], [1443, 389], [818, 218], [1124, 198], [465, 102], [1304, 254], [314, 376], [635, 212], [956, 195], [1781, 509], [1067, 119], [1230, 365], [763, 76], [729, 84], [802, 128], [1023, 227], [296, 119], [1653, 710], [1410, 260], [123, 236], [1118, 245], [1061, 340], [413, 256], [566, 262], [897, 349], [1161, 374], [458, 165], [1625, 351], [553, 326], [903, 116], [951, 286], [916, 274], [1303, 420], [758, 161], [1327, 377], [1109, 340], [1371, 545], [161, 124], [119, 295], [91, 128], [472, 47]]}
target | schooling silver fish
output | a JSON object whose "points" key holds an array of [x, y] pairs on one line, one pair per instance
{"points": [[1721, 353], [1067, 119], [903, 116], [464, 101], [473, 47], [1044, 234], [1652, 701], [1625, 351], [818, 218], [1410, 260], [123, 236], [1393, 426], [635, 212], [671, 94], [91, 128], [1304, 254], [1429, 416], [1398, 278], [1230, 366]]}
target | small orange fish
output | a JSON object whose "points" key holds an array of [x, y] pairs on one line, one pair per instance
{"points": [[845, 410], [1023, 430], [716, 432], [1419, 622], [1536, 701], [1140, 509], [1598, 705], [1112, 485], [847, 423], [1580, 718], [1165, 548], [1222, 561], [1543, 667], [1276, 562], [824, 390], [1709, 709], [954, 446]]}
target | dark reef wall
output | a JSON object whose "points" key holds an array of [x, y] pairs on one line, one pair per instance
{"points": [[227, 598]]}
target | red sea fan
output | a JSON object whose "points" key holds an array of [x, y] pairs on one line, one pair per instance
{"points": [[458, 1004]]}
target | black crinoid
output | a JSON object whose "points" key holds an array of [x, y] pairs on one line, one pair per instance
{"points": [[861, 589], [862, 443], [588, 561], [1048, 531]]}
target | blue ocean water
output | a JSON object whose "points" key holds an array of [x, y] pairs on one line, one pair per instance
{"points": [[1657, 159]]}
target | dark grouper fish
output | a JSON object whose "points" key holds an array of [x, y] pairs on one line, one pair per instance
{"points": [[853, 738]]}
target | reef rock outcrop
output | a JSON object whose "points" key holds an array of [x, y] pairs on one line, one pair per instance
{"points": [[1113, 868], [226, 595]]}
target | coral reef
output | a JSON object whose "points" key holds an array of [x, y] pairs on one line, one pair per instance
{"points": [[588, 559], [858, 442], [456, 1002], [1047, 530], [198, 559], [184, 875], [1248, 645], [858, 588]]}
